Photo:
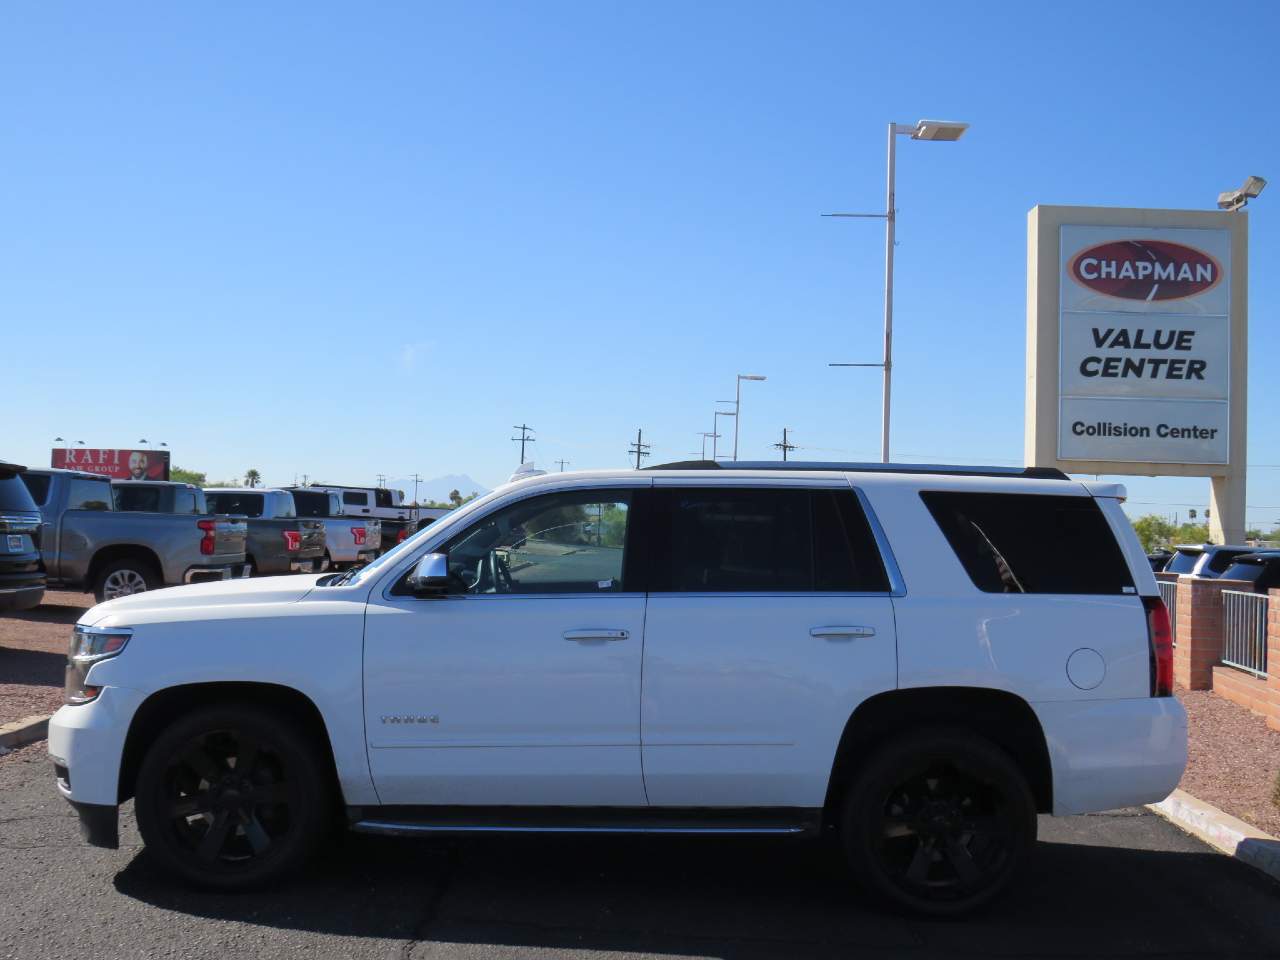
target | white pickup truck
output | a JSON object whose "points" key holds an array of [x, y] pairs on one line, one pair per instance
{"points": [[885, 655]]}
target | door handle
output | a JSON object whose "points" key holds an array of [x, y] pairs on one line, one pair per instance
{"points": [[596, 633], [841, 633]]}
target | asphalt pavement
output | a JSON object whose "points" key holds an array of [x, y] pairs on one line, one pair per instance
{"points": [[1122, 884]]}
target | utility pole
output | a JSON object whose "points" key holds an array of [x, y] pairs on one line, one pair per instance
{"points": [[562, 463], [305, 477], [638, 448], [382, 479], [784, 446], [524, 438], [417, 511]]}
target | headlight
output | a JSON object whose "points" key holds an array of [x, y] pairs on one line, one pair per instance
{"points": [[89, 645]]}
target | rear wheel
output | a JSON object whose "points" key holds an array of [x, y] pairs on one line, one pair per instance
{"points": [[939, 822], [123, 578], [232, 797]]}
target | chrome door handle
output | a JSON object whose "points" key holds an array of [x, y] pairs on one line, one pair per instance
{"points": [[841, 633], [596, 634]]}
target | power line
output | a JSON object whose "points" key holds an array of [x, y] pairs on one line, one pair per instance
{"points": [[524, 438], [638, 448], [784, 446]]}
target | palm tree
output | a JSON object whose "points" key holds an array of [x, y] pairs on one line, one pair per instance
{"points": [[252, 477]]}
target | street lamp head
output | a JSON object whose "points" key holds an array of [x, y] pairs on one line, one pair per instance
{"points": [[1235, 199], [939, 130], [751, 376]]}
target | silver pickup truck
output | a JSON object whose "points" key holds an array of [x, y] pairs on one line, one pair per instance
{"points": [[279, 540], [86, 543], [348, 541]]}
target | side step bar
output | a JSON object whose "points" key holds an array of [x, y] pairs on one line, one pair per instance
{"points": [[398, 821]]}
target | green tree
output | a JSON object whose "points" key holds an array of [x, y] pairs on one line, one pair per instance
{"points": [[455, 498], [179, 475], [252, 477], [1154, 531]]}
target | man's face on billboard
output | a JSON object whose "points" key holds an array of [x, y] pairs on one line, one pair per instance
{"points": [[138, 465]]}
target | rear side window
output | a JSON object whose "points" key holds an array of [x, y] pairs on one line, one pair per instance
{"points": [[235, 504], [382, 498], [311, 504], [184, 500], [732, 540], [146, 499], [1024, 543], [1221, 559], [88, 494], [353, 499], [1245, 571], [1182, 561]]}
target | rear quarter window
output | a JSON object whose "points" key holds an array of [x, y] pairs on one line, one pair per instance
{"points": [[16, 495], [1182, 561], [1029, 543]]}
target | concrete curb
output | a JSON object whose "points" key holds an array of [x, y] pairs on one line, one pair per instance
{"points": [[1223, 831], [21, 732]]}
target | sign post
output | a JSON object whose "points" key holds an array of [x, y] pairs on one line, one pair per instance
{"points": [[1137, 339]]}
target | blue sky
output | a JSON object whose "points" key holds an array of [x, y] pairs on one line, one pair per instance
{"points": [[315, 238]]}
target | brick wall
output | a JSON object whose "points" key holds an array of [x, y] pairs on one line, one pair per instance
{"points": [[1271, 697]]}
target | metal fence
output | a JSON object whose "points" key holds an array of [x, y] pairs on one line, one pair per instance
{"points": [[1244, 631], [1169, 594]]}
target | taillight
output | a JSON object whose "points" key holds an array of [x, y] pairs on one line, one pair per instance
{"points": [[400, 537], [292, 539], [1160, 638], [358, 533], [207, 541]]}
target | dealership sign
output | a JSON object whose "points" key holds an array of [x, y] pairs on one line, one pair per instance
{"points": [[117, 464], [1144, 358]]}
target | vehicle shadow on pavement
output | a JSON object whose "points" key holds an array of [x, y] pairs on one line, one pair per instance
{"points": [[49, 613], [18, 666], [735, 899]]}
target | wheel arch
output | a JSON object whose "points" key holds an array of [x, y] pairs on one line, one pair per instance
{"points": [[165, 706], [122, 551], [1004, 718]]}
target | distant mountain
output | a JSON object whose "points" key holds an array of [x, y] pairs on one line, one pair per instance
{"points": [[438, 488]]}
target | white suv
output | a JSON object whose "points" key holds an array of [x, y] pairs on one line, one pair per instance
{"points": [[916, 660]]}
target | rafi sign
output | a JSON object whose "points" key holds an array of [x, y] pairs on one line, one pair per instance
{"points": [[1144, 371]]}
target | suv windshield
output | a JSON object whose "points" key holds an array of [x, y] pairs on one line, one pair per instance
{"points": [[236, 504], [14, 494]]}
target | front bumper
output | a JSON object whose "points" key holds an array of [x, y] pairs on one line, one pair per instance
{"points": [[86, 744], [1113, 753]]}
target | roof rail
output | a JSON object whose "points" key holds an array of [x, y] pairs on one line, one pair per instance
{"points": [[946, 470]]}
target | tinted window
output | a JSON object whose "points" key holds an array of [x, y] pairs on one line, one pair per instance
{"points": [[201, 505], [1244, 571], [353, 499], [713, 540], [311, 504], [283, 506], [382, 498], [14, 494], [37, 485], [1182, 561], [559, 543], [236, 504], [184, 500], [88, 494], [1221, 559], [137, 498], [1023, 543]]}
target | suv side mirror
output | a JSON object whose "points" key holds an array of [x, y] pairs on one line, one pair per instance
{"points": [[430, 577]]}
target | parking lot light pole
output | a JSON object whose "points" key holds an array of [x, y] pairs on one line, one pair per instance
{"points": [[715, 447], [941, 130], [737, 407]]}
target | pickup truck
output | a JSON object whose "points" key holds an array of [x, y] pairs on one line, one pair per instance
{"points": [[348, 541], [21, 579], [279, 540], [85, 542], [399, 520]]}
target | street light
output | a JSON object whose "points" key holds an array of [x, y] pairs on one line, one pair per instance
{"points": [[936, 130], [715, 447], [1236, 199], [704, 434], [737, 407]]}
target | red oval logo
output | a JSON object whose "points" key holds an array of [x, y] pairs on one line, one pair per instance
{"points": [[1146, 270]]}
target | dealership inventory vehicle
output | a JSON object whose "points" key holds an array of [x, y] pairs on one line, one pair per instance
{"points": [[21, 576], [1204, 559], [85, 542], [279, 540], [1261, 569], [347, 540], [886, 655], [399, 520]]}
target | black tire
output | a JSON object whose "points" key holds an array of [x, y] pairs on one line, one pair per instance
{"points": [[217, 829], [939, 822], [124, 577]]}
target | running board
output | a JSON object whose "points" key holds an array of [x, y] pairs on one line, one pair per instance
{"points": [[398, 821]]}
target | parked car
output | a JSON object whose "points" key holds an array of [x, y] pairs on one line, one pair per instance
{"points": [[347, 540], [886, 656], [1159, 559], [85, 543], [1204, 559], [1261, 569], [279, 540], [399, 520], [21, 577]]}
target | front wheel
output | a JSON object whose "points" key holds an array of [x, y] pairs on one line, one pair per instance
{"points": [[232, 797], [939, 822]]}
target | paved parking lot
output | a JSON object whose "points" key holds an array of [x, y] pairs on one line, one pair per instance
{"points": [[1121, 884]]}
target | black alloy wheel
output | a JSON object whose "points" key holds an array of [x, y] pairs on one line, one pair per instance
{"points": [[939, 822], [232, 797]]}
